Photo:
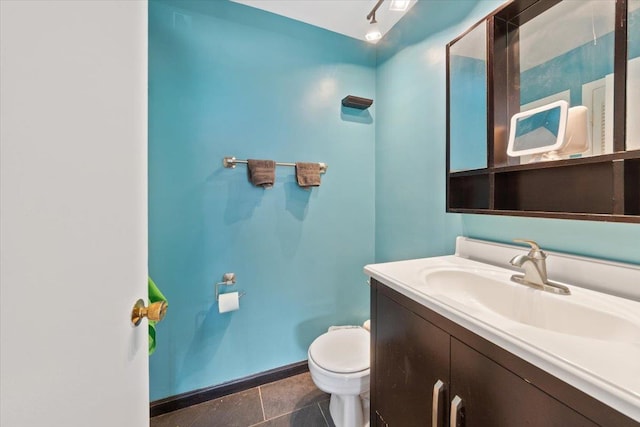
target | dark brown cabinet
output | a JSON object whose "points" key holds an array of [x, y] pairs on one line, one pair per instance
{"points": [[423, 365], [411, 356], [493, 396]]}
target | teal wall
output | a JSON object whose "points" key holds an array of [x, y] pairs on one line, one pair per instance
{"points": [[229, 80], [226, 79], [613, 241], [411, 220]]}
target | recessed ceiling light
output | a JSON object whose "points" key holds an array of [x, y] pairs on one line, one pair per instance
{"points": [[373, 36], [399, 5]]}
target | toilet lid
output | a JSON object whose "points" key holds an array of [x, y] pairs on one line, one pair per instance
{"points": [[342, 350]]}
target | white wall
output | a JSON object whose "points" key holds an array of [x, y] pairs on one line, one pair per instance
{"points": [[73, 213]]}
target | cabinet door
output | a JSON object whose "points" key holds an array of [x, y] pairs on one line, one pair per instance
{"points": [[411, 356], [494, 396]]}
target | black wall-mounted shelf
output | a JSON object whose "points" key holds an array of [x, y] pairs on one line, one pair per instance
{"points": [[357, 102], [553, 189]]}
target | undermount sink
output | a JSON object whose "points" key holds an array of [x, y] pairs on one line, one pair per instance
{"points": [[475, 290]]}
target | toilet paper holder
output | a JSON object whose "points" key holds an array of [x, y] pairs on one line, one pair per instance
{"points": [[228, 279]]}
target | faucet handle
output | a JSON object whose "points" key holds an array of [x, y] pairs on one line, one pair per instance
{"points": [[535, 251]]}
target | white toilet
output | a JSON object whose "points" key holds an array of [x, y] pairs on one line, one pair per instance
{"points": [[339, 365]]}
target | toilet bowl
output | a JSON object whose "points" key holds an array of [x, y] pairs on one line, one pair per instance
{"points": [[339, 365]]}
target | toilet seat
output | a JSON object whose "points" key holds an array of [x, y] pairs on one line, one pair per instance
{"points": [[342, 351]]}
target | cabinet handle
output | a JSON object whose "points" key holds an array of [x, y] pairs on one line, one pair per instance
{"points": [[457, 412], [438, 391]]}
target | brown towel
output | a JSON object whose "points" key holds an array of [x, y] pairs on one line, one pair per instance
{"points": [[262, 173], [308, 174]]}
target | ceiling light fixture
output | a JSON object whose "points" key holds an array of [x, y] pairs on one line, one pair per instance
{"points": [[399, 5], [371, 17], [373, 36]]}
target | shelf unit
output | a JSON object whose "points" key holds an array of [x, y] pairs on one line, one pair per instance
{"points": [[598, 188]]}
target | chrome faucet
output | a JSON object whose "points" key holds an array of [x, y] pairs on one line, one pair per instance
{"points": [[535, 270]]}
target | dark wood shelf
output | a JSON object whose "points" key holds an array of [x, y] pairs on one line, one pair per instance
{"points": [[556, 215], [603, 188], [632, 187], [470, 191], [628, 156], [578, 188], [357, 102], [604, 158], [471, 172]]}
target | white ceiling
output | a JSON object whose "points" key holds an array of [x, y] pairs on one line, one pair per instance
{"points": [[562, 28], [346, 17]]}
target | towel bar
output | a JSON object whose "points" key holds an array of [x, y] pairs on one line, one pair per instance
{"points": [[231, 162]]}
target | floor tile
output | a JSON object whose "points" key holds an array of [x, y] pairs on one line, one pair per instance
{"points": [[287, 395], [324, 406], [309, 416], [236, 410], [180, 418]]}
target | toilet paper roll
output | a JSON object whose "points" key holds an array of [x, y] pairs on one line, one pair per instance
{"points": [[228, 302]]}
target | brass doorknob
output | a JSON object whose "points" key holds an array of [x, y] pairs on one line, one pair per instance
{"points": [[155, 312]]}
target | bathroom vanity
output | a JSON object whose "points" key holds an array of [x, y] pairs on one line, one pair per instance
{"points": [[455, 342]]}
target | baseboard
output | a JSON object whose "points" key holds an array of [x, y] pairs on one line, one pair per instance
{"points": [[173, 403]]}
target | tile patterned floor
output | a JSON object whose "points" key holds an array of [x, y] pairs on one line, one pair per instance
{"points": [[291, 402]]}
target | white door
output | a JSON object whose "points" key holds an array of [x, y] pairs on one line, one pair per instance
{"points": [[73, 90]]}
